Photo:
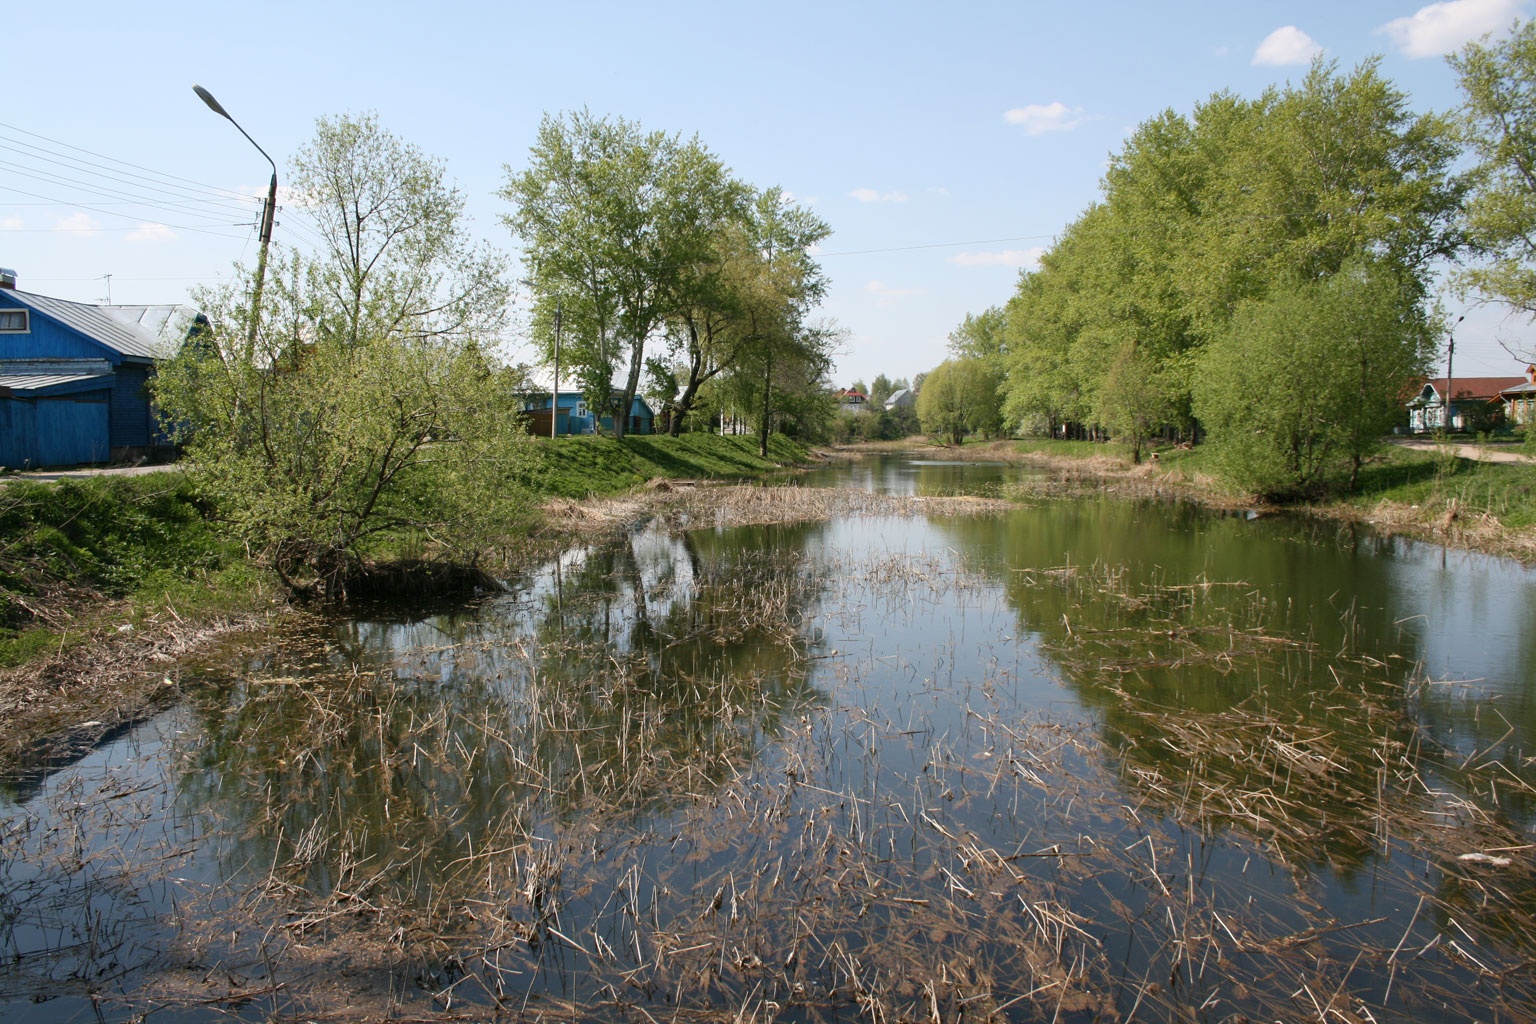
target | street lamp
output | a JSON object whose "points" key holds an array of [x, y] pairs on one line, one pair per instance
{"points": [[1450, 355], [266, 219]]}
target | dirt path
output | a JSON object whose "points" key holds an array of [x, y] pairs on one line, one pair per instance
{"points": [[1480, 453]]}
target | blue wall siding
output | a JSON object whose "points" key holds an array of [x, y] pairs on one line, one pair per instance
{"points": [[131, 425], [54, 431], [18, 433], [48, 340]]}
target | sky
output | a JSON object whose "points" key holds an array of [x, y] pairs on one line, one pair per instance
{"points": [[945, 145]]}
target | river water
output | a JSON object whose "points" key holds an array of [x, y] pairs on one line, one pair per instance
{"points": [[1084, 759]]}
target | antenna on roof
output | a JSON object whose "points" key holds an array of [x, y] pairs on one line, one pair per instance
{"points": [[108, 279]]}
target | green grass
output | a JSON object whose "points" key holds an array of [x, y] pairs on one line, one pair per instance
{"points": [[152, 546], [576, 467], [147, 541], [1432, 480]]}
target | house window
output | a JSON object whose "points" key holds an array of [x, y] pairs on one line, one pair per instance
{"points": [[14, 321]]}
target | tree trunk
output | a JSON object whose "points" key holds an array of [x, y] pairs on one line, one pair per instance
{"points": [[762, 429]]}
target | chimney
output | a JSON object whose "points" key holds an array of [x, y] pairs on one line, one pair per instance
{"points": [[7, 279], [1530, 374]]}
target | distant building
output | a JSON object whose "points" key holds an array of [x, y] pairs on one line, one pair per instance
{"points": [[1427, 408], [1520, 399], [853, 401], [74, 376], [906, 398], [575, 417]]}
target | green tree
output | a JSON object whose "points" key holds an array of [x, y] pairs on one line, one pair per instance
{"points": [[1305, 381], [367, 414], [760, 274], [781, 370], [1202, 214], [1498, 119], [959, 397], [398, 257], [614, 219]]}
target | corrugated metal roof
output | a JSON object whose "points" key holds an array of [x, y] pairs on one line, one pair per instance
{"points": [[38, 381], [168, 322], [96, 323]]}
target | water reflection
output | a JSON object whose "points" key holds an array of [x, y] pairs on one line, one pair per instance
{"points": [[1083, 760]]}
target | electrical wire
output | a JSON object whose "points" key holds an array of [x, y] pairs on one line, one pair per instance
{"points": [[231, 193]]}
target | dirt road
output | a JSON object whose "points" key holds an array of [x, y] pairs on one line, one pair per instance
{"points": [[1482, 453]]}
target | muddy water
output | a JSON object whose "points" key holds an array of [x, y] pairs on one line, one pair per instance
{"points": [[1082, 760]]}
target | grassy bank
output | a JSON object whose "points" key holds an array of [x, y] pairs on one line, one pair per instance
{"points": [[119, 550], [578, 467], [1483, 505], [106, 581], [110, 550]]}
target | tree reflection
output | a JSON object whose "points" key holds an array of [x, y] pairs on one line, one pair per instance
{"points": [[622, 683], [1255, 676]]}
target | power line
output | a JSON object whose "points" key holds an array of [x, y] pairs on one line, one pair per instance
{"points": [[108, 193], [107, 213], [162, 174], [177, 192]]}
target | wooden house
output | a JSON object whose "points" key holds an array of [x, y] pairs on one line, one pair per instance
{"points": [[73, 378], [1427, 408], [1519, 400]]}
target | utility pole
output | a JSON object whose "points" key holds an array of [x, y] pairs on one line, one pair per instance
{"points": [[1450, 355], [554, 397], [268, 211]]}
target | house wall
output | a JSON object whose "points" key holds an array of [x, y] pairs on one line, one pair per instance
{"points": [[67, 431], [131, 423], [48, 340]]}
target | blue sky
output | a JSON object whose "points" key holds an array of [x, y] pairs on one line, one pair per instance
{"points": [[944, 145]]}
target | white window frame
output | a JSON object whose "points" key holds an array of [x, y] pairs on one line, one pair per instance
{"points": [[26, 321]]}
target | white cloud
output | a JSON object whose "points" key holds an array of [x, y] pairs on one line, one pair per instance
{"points": [[1007, 258], [11, 224], [148, 232], [888, 295], [938, 190], [1038, 118], [1441, 28], [1287, 45], [79, 222], [869, 195]]}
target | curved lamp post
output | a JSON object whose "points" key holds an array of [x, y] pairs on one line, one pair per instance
{"points": [[266, 220]]}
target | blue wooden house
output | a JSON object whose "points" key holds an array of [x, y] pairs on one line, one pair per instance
{"points": [[641, 419], [574, 416], [73, 378]]}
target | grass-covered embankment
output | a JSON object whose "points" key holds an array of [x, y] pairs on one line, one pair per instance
{"points": [[1474, 503], [125, 547], [578, 467], [106, 580]]}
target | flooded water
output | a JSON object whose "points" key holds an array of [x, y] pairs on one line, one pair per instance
{"points": [[1083, 759]]}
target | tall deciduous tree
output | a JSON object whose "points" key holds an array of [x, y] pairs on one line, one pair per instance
{"points": [[1305, 381], [1202, 216], [1498, 117], [368, 407], [760, 277], [615, 220], [959, 397], [399, 259], [786, 358]]}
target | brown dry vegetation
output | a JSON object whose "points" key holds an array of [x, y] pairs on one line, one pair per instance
{"points": [[111, 674]]}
